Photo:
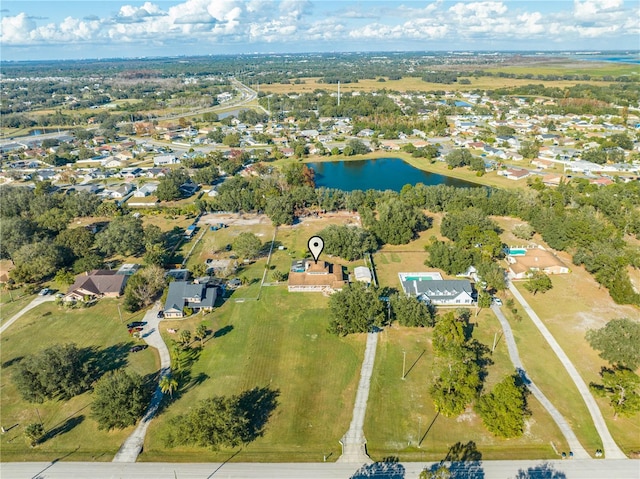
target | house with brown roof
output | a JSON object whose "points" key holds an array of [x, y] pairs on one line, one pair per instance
{"points": [[318, 277], [99, 283], [514, 173], [535, 259]]}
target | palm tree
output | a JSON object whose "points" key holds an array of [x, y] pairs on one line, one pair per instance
{"points": [[168, 384], [201, 333]]}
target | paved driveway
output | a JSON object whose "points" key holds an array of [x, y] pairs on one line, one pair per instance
{"points": [[132, 446], [37, 301]]}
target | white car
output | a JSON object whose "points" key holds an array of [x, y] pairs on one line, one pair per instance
{"points": [[44, 292], [497, 301]]}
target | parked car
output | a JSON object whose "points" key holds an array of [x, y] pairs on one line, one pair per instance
{"points": [[497, 301], [139, 347], [160, 314], [136, 324], [44, 292]]}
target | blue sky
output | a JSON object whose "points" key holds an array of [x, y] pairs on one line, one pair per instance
{"points": [[51, 29]]}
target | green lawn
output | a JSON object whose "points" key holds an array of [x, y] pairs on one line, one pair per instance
{"points": [[278, 342], [12, 302], [74, 432], [568, 318], [546, 370], [400, 412]]}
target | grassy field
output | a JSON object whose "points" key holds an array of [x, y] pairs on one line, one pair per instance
{"points": [[568, 317], [12, 302], [72, 433], [408, 84], [279, 342], [402, 421]]}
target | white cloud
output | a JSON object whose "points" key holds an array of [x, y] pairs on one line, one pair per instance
{"points": [[250, 22]]}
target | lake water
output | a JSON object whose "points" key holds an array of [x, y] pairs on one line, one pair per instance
{"points": [[380, 174]]}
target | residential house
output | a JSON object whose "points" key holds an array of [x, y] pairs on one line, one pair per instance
{"points": [[514, 173], [185, 294], [96, 284], [321, 277], [145, 190], [163, 160], [440, 292], [534, 259]]}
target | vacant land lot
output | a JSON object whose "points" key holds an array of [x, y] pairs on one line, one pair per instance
{"points": [[69, 429], [402, 421], [278, 342], [574, 305]]}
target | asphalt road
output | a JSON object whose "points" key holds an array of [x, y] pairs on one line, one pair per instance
{"points": [[567, 469]]}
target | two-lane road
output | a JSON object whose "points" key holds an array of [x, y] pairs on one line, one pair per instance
{"points": [[567, 469]]}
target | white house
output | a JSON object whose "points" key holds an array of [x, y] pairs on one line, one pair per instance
{"points": [[162, 160]]}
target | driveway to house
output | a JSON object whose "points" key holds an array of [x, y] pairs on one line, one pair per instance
{"points": [[132, 446], [611, 449], [37, 301], [574, 445], [353, 442]]}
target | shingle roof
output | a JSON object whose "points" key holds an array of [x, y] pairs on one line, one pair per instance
{"points": [[100, 281]]}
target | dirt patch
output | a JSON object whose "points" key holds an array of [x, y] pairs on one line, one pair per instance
{"points": [[236, 219]]}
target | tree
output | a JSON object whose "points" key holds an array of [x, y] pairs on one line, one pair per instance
{"points": [[538, 282], [185, 337], [618, 342], [168, 384], [355, 309], [529, 149], [456, 387], [201, 333], [523, 231], [350, 243], [620, 386], [357, 147], [143, 288], [77, 240], [441, 472], [397, 222], [15, 233], [34, 432], [58, 372], [123, 235], [36, 261], [120, 399], [484, 300], [409, 311], [232, 139], [458, 157], [223, 421], [169, 186], [247, 245], [504, 409]]}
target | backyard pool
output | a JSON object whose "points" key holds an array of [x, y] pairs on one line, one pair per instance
{"points": [[517, 251]]}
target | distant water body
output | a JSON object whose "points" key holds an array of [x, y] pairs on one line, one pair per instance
{"points": [[380, 174]]}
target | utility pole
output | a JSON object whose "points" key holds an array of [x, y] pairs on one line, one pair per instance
{"points": [[419, 430], [119, 313], [404, 363]]}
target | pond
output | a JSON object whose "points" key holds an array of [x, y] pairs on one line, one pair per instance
{"points": [[380, 174]]}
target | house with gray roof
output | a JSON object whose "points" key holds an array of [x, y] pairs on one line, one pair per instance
{"points": [[185, 294], [441, 292]]}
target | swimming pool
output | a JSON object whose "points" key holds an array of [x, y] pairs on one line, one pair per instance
{"points": [[517, 251], [426, 276]]}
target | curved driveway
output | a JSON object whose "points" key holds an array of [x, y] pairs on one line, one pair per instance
{"points": [[611, 449], [574, 445], [132, 446], [37, 301]]}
